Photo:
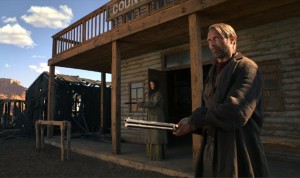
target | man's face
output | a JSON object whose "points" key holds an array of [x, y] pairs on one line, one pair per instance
{"points": [[152, 85], [220, 47]]}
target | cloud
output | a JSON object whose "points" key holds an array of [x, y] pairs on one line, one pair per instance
{"points": [[49, 17], [7, 65], [37, 56], [41, 68], [9, 19], [16, 35]]}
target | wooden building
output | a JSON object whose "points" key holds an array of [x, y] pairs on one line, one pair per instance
{"points": [[77, 100], [136, 40]]}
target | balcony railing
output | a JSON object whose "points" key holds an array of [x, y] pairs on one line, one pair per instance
{"points": [[101, 21]]}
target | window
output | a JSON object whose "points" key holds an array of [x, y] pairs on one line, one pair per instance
{"points": [[272, 88], [181, 57], [136, 95], [177, 59]]}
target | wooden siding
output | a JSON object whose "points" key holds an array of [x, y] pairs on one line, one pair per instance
{"points": [[136, 70], [273, 41], [278, 41]]}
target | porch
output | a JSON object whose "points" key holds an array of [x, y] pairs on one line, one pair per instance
{"points": [[178, 162]]}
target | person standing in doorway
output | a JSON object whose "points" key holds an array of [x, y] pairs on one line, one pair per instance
{"points": [[231, 117], [156, 140]]}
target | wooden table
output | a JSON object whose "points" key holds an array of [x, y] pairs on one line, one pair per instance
{"points": [[39, 130]]}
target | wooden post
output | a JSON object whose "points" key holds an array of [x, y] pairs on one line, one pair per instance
{"points": [[69, 128], [102, 102], [42, 135], [8, 114], [37, 135], [14, 111], [4, 115], [196, 73], [115, 99], [62, 140], [51, 100]]}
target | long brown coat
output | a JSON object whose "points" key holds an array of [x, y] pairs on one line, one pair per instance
{"points": [[233, 113], [155, 113]]}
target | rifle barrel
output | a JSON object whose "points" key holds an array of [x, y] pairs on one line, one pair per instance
{"points": [[130, 103]]}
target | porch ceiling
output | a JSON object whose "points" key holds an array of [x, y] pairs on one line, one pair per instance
{"points": [[95, 54]]}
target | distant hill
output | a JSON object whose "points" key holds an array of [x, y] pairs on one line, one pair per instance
{"points": [[11, 89]]}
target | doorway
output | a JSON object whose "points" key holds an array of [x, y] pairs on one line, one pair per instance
{"points": [[179, 100]]}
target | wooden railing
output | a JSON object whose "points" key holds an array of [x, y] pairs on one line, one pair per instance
{"points": [[97, 23], [86, 28]]}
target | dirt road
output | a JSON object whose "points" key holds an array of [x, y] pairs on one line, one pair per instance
{"points": [[19, 158]]}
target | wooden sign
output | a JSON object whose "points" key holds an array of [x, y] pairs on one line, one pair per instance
{"points": [[119, 7]]}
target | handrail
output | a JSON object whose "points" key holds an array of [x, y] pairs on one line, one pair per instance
{"points": [[96, 23], [84, 29]]}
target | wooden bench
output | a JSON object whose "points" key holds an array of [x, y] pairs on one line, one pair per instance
{"points": [[39, 130]]}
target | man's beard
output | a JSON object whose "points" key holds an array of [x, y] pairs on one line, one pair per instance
{"points": [[220, 52]]}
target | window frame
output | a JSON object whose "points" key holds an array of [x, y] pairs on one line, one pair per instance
{"points": [[266, 69], [130, 99]]}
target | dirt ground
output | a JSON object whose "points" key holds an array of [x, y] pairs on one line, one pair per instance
{"points": [[20, 158]]}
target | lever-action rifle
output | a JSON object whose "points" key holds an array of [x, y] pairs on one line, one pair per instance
{"points": [[149, 124]]}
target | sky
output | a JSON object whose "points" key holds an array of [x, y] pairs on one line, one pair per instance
{"points": [[26, 30]]}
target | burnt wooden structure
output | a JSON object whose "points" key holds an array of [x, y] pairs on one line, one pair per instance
{"points": [[135, 40], [77, 101], [10, 110]]}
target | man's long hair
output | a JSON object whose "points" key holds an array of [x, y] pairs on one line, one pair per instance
{"points": [[225, 30], [156, 87]]}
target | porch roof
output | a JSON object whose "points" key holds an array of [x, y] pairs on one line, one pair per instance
{"points": [[165, 28]]}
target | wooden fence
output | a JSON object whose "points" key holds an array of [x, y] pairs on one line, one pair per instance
{"points": [[9, 111]]}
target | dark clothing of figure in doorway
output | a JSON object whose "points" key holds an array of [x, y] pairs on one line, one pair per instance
{"points": [[156, 140]]}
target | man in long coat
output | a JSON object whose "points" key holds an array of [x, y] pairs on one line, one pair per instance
{"points": [[156, 140], [231, 116]]}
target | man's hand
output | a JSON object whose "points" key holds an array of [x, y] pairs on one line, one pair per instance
{"points": [[183, 127], [140, 104]]}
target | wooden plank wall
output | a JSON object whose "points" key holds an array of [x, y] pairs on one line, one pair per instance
{"points": [[274, 41], [135, 70], [278, 41]]}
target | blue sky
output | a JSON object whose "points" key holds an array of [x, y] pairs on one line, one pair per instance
{"points": [[26, 30]]}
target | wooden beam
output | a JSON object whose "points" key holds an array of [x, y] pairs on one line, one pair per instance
{"points": [[102, 102], [51, 100], [196, 73], [115, 99]]}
